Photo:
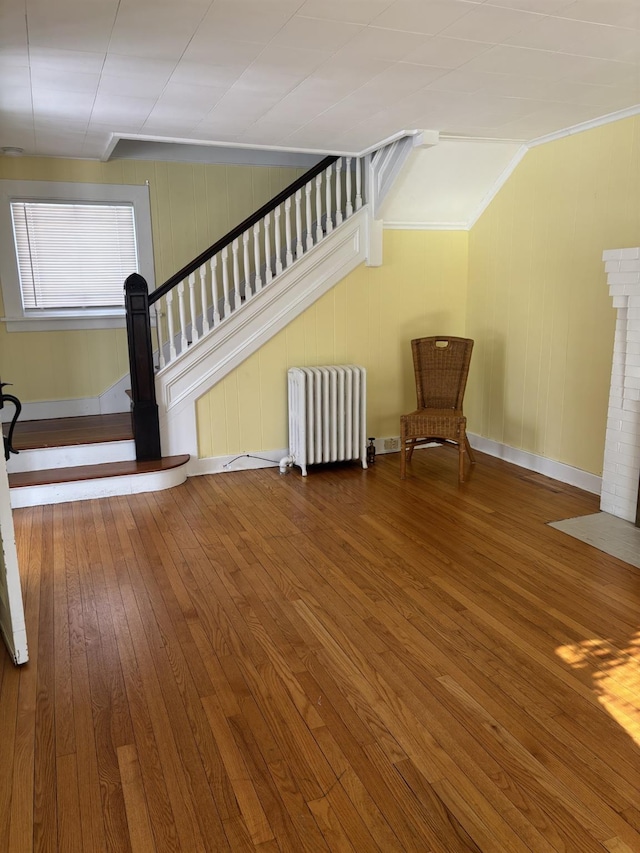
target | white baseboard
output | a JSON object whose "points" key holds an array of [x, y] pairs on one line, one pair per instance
{"points": [[45, 409], [391, 444], [236, 462], [265, 459], [113, 400], [540, 464]]}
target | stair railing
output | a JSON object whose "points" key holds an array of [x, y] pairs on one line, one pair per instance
{"points": [[210, 289]]}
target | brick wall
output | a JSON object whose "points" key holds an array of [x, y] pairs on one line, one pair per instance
{"points": [[621, 470]]}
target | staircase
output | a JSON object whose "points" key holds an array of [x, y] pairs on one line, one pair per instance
{"points": [[68, 459], [209, 317]]}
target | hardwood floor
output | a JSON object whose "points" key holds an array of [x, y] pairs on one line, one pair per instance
{"points": [[345, 662]]}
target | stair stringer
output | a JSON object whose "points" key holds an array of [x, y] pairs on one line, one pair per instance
{"points": [[207, 362]]}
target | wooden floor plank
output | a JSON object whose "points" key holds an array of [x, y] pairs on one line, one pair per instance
{"points": [[68, 801], [140, 833], [44, 792], [346, 661]]}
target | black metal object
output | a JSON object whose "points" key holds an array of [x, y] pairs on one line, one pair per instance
{"points": [[144, 409], [8, 439], [371, 451]]}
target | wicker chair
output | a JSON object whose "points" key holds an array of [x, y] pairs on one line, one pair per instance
{"points": [[441, 366]]}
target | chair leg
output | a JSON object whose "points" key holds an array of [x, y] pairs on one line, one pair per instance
{"points": [[403, 453], [461, 455], [412, 445], [472, 458]]}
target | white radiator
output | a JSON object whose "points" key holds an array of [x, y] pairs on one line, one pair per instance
{"points": [[327, 415]]}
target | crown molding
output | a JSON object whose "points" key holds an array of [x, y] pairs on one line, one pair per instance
{"points": [[629, 112], [397, 225], [422, 137]]}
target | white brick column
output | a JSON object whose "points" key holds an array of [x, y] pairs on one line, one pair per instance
{"points": [[621, 469]]}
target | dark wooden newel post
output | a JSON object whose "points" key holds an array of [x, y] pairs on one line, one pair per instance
{"points": [[144, 409]]}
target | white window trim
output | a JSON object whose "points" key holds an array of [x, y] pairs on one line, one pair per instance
{"points": [[16, 319]]}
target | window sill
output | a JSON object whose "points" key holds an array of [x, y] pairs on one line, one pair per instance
{"points": [[65, 321]]}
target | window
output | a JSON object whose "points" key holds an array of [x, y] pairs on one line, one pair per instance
{"points": [[66, 250]]}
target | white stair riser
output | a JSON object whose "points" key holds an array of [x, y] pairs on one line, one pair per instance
{"points": [[84, 490], [69, 456]]}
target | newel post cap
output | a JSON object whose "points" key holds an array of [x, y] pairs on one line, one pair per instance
{"points": [[135, 283]]}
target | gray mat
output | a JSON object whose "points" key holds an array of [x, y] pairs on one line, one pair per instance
{"points": [[606, 532]]}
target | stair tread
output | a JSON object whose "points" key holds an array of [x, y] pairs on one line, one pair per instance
{"points": [[84, 429], [95, 472]]}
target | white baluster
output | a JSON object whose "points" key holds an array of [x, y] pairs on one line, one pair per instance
{"points": [[319, 234], [170, 330], [307, 193], [328, 226], [203, 299], [349, 205], [159, 333], [192, 308], [358, 184], [256, 256], [245, 265], [339, 192], [236, 275], [184, 343], [276, 239], [288, 257], [268, 274], [225, 281], [214, 289], [299, 248]]}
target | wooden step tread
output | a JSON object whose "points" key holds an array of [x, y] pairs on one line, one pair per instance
{"points": [[84, 429], [95, 472]]}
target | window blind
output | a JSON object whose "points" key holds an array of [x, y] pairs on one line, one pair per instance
{"points": [[73, 255]]}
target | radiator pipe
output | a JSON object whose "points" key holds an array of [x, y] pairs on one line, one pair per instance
{"points": [[285, 463]]}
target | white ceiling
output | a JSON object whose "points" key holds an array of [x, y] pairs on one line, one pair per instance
{"points": [[329, 75]]}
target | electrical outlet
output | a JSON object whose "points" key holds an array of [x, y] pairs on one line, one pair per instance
{"points": [[391, 443]]}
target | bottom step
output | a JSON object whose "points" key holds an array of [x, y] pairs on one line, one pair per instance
{"points": [[83, 482]]}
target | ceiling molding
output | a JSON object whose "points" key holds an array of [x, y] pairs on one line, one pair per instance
{"points": [[629, 112], [427, 138], [395, 225]]}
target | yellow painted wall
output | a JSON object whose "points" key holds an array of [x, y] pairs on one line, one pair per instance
{"points": [[369, 318], [527, 284], [538, 304], [191, 207]]}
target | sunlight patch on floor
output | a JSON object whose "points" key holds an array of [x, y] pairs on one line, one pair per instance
{"points": [[615, 675]]}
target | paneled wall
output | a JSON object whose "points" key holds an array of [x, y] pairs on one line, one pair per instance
{"points": [[538, 304], [369, 318], [527, 284], [191, 206]]}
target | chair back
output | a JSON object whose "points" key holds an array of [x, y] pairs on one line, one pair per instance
{"points": [[441, 366]]}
